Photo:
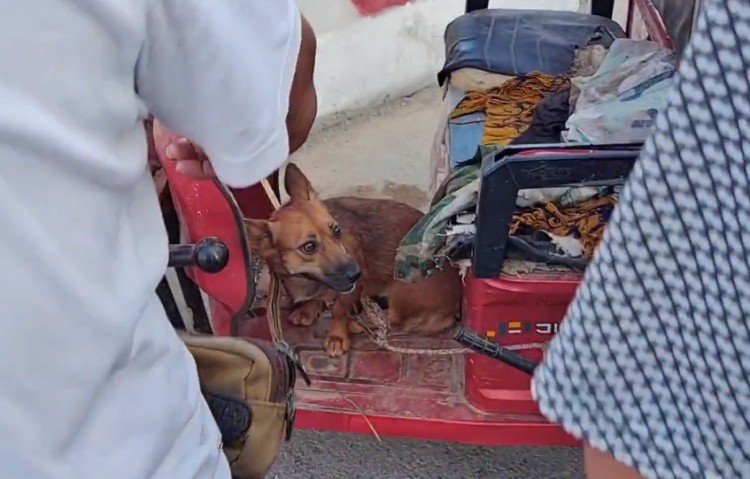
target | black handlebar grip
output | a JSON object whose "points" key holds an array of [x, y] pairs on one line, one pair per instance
{"points": [[209, 255], [475, 342]]}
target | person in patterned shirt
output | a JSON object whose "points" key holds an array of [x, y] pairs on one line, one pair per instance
{"points": [[651, 367]]}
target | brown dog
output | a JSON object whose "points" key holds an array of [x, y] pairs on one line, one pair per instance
{"points": [[343, 249]]}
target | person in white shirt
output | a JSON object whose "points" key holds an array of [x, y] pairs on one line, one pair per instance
{"points": [[95, 382]]}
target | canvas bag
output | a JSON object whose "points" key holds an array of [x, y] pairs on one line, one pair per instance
{"points": [[237, 372]]}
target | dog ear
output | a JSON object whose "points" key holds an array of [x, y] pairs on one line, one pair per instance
{"points": [[297, 185], [259, 235]]}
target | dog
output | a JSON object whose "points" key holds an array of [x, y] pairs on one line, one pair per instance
{"points": [[340, 250]]}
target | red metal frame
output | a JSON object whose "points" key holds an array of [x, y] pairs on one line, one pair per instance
{"points": [[512, 311], [206, 208], [655, 26]]}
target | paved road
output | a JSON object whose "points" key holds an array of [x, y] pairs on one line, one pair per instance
{"points": [[315, 455], [385, 152]]}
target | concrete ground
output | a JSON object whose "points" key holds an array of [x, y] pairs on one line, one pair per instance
{"points": [[385, 152], [381, 152]]}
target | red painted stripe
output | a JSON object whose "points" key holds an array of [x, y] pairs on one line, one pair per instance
{"points": [[373, 7]]}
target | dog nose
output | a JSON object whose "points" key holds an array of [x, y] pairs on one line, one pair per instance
{"points": [[353, 273]]}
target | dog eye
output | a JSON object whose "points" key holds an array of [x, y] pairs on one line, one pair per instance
{"points": [[337, 231], [309, 248]]}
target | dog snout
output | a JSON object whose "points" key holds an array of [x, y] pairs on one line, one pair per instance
{"points": [[344, 278], [348, 273], [352, 272]]}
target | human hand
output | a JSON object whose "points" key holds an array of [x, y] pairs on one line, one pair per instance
{"points": [[190, 158]]}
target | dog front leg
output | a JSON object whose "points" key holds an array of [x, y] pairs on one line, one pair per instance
{"points": [[337, 341]]}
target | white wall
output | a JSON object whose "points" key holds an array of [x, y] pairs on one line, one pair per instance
{"points": [[365, 60]]}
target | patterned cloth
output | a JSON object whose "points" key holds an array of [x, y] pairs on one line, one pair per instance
{"points": [[423, 250], [585, 220], [619, 103], [416, 257], [652, 363], [509, 110], [510, 107]]}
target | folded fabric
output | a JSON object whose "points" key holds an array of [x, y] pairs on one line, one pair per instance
{"points": [[620, 102], [442, 234], [537, 246], [563, 196], [510, 108], [465, 134], [417, 255], [587, 60], [585, 220], [548, 120]]}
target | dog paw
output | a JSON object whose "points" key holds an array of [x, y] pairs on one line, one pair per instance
{"points": [[305, 314], [355, 327], [336, 346], [299, 317]]}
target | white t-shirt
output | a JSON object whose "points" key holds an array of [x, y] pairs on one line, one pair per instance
{"points": [[94, 383]]}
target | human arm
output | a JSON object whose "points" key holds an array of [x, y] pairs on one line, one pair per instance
{"points": [[303, 99], [221, 74]]}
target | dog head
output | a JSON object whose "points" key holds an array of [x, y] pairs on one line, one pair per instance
{"points": [[302, 239]]}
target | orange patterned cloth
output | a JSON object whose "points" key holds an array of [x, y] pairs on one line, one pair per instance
{"points": [[510, 107], [585, 220]]}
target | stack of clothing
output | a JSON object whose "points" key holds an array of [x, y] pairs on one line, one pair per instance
{"points": [[566, 77]]}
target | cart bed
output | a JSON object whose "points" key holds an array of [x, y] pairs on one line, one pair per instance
{"points": [[372, 391]]}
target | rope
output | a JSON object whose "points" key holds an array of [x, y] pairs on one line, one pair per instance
{"points": [[373, 321], [371, 318], [273, 311]]}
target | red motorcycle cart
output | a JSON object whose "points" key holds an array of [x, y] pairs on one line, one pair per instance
{"points": [[471, 398]]}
